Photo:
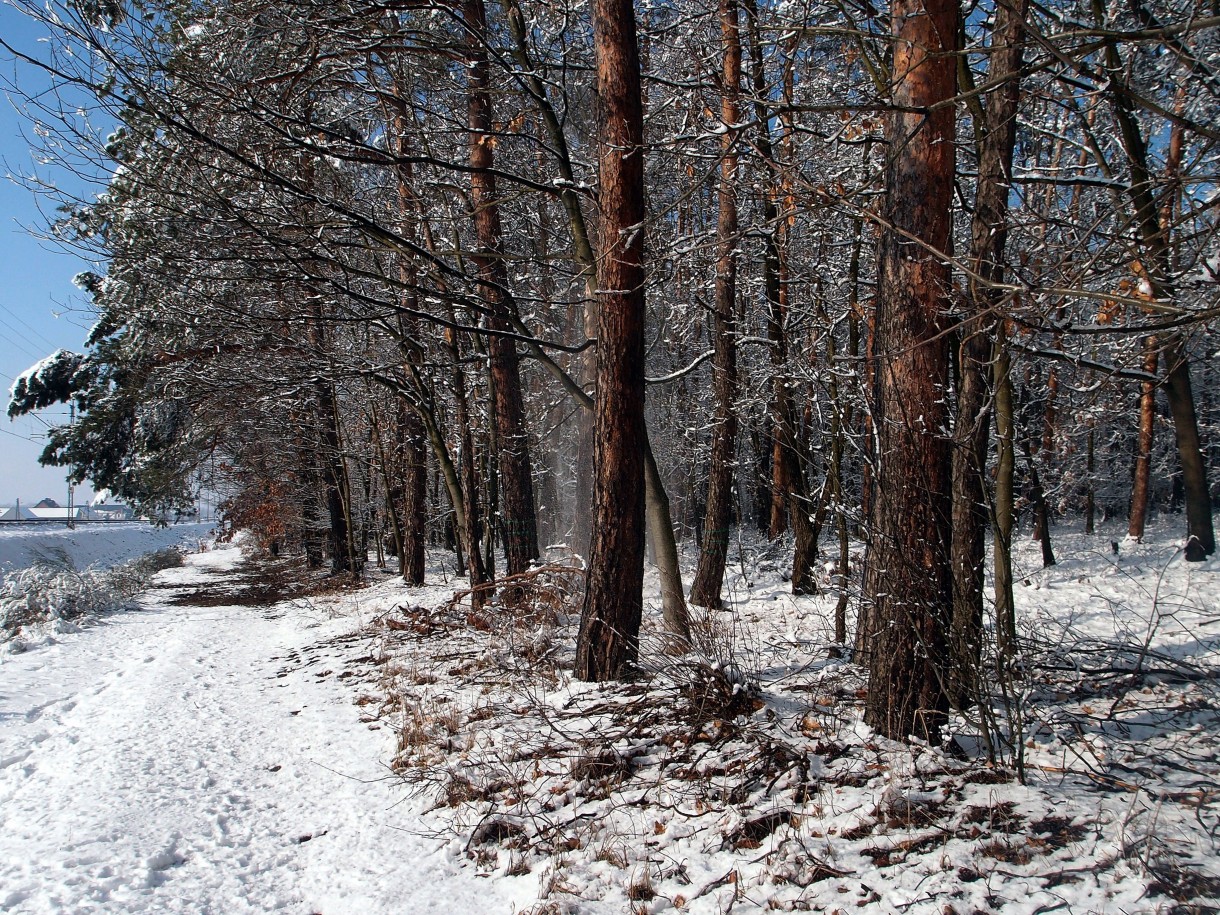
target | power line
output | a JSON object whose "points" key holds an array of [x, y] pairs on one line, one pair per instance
{"points": [[29, 347], [26, 325], [41, 420], [22, 437]]}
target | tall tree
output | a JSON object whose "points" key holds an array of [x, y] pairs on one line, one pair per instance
{"points": [[995, 140], [709, 576], [908, 585], [518, 526], [610, 620]]}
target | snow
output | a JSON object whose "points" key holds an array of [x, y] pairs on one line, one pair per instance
{"points": [[102, 545], [193, 759], [232, 747], [44, 366]]}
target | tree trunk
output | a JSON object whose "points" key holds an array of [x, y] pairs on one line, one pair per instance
{"points": [[908, 583], [988, 236], [673, 603], [1090, 507], [461, 480], [412, 560], [786, 484], [1143, 447], [330, 457], [1003, 510], [1042, 520], [660, 525], [610, 619], [1200, 534], [413, 465], [518, 524], [709, 576]]}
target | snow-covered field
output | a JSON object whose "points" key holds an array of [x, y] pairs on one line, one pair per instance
{"points": [[388, 750], [90, 544]]}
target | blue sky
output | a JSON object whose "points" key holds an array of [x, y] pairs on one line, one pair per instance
{"points": [[40, 309]]}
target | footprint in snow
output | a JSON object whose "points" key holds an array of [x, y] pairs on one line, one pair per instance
{"points": [[160, 862], [16, 758]]}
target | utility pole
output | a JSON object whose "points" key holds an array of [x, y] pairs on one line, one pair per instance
{"points": [[71, 422]]}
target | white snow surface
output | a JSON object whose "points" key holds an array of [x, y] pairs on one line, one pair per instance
{"points": [[222, 751], [91, 544], [169, 760]]}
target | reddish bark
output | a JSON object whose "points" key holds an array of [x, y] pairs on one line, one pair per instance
{"points": [[709, 576], [610, 621], [908, 586], [518, 524]]}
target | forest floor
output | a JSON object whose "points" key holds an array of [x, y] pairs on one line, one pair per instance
{"points": [[246, 743]]}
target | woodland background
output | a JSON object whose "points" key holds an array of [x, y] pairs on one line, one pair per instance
{"points": [[901, 277]]}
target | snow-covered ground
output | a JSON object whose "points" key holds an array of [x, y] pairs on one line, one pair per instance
{"points": [[90, 544], [390, 750], [188, 758]]}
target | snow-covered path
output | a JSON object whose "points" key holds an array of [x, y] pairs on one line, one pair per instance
{"points": [[172, 761]]}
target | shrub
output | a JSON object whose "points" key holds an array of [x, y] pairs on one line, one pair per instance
{"points": [[54, 591]]}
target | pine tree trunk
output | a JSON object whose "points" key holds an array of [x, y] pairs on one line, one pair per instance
{"points": [[413, 464], [468, 516], [660, 525], [709, 575], [610, 620], [1042, 520], [389, 460], [1003, 511], [673, 602], [1200, 534], [1090, 507], [412, 560], [908, 581], [785, 470], [518, 524]]}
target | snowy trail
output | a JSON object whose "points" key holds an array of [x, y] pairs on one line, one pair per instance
{"points": [[169, 761]]}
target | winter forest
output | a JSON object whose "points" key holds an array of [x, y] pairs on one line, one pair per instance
{"points": [[877, 304]]}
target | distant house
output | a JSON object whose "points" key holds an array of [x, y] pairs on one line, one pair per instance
{"points": [[47, 503], [16, 512], [78, 513], [111, 512]]}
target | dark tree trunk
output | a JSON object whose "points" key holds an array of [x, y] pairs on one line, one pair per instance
{"points": [[333, 484], [988, 236], [1042, 520], [709, 576], [610, 620], [785, 469], [660, 525], [1004, 514], [309, 515], [416, 504], [411, 429], [1138, 517], [1200, 534], [518, 524], [1090, 506], [908, 592], [471, 522]]}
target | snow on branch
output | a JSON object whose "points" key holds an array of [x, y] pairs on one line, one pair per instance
{"points": [[50, 381]]}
